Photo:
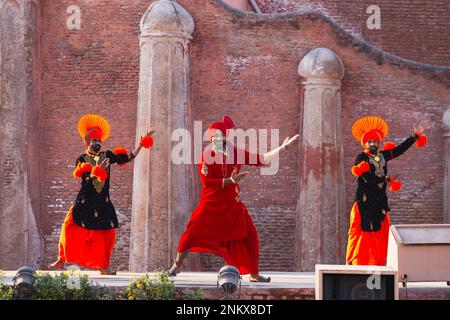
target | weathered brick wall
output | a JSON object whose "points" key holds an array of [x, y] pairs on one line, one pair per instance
{"points": [[414, 29], [242, 66]]}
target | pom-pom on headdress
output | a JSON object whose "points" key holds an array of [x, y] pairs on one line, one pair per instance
{"points": [[369, 128], [93, 126]]}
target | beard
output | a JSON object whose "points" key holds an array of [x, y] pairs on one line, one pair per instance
{"points": [[373, 149], [220, 145]]}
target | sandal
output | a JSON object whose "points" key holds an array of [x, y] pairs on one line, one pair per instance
{"points": [[107, 272], [260, 278]]}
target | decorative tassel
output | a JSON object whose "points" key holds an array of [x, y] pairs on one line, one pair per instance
{"points": [[81, 169], [356, 172], [389, 146], [394, 185], [120, 150], [421, 140], [147, 141], [100, 173], [361, 168], [364, 167]]}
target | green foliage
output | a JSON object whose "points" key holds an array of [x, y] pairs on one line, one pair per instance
{"points": [[145, 288], [68, 286], [193, 295], [5, 292], [74, 286]]}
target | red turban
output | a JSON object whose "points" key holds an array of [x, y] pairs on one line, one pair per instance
{"points": [[223, 125]]}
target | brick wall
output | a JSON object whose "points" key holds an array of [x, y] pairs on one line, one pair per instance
{"points": [[242, 66], [413, 29], [92, 70]]}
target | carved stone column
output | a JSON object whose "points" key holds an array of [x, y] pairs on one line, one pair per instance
{"points": [[321, 207], [20, 243], [161, 200], [446, 123]]}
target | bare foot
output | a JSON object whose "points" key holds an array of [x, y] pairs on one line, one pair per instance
{"points": [[58, 264], [174, 270]]}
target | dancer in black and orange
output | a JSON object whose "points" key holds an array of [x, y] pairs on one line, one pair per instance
{"points": [[369, 218], [88, 232]]}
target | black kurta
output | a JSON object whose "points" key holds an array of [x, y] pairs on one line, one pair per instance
{"points": [[93, 208], [371, 186]]}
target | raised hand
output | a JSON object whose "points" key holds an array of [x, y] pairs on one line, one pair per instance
{"points": [[288, 141], [104, 164], [422, 126], [150, 132], [238, 176]]}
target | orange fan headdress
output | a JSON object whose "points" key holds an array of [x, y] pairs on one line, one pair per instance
{"points": [[93, 126], [369, 128]]}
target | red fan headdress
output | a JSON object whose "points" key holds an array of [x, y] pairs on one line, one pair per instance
{"points": [[369, 128], [93, 126]]}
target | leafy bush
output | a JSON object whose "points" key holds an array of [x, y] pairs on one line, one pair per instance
{"points": [[5, 292], [193, 295], [74, 286], [68, 286], [145, 288]]}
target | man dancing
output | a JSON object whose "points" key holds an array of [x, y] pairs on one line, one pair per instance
{"points": [[369, 218], [88, 232], [221, 223]]}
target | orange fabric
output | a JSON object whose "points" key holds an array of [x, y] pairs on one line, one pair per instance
{"points": [[367, 248], [89, 248]]}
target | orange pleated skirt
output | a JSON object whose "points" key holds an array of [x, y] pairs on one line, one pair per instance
{"points": [[88, 248], [367, 248]]}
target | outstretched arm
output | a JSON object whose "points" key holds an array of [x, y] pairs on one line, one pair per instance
{"points": [[400, 149], [138, 148], [285, 146], [121, 156], [405, 145]]}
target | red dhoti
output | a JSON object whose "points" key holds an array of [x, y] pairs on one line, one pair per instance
{"points": [[367, 248], [88, 248], [242, 253]]}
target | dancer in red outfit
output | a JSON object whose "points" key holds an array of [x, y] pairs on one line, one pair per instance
{"points": [[221, 223]]}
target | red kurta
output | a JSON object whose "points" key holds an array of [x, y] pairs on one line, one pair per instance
{"points": [[367, 247], [221, 223]]}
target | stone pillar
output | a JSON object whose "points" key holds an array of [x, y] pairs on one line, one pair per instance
{"points": [[161, 198], [20, 243], [321, 206], [446, 123]]}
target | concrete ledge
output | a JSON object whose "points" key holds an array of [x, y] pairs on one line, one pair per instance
{"points": [[284, 285]]}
